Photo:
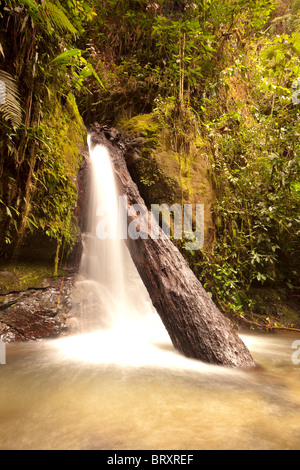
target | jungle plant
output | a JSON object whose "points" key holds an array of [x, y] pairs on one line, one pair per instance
{"points": [[35, 33]]}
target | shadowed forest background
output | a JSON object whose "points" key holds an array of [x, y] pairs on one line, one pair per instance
{"points": [[207, 92]]}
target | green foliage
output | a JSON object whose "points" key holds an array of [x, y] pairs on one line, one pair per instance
{"points": [[226, 73], [41, 31], [222, 75], [51, 17], [81, 68], [255, 147]]}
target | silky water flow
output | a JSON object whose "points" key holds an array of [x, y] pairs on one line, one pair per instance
{"points": [[116, 317], [105, 266], [119, 384]]}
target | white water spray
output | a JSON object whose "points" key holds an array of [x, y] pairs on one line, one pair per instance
{"points": [[117, 321], [102, 260], [116, 295]]}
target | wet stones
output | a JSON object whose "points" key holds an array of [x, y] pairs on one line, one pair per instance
{"points": [[37, 313]]}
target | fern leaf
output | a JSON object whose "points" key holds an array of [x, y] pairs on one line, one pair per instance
{"points": [[10, 108], [57, 17], [49, 16]]}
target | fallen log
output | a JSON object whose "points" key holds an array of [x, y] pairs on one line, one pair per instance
{"points": [[195, 325]]}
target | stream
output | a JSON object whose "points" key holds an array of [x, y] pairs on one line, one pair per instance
{"points": [[106, 392]]}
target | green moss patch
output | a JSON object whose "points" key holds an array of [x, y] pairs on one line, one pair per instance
{"points": [[24, 276]]}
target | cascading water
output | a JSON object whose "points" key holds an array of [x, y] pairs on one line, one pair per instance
{"points": [[115, 315], [107, 270], [102, 265]]}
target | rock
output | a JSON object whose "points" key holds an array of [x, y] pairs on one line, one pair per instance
{"points": [[37, 313]]}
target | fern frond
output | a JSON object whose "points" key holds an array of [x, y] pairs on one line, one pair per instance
{"points": [[50, 16], [10, 108], [57, 18]]}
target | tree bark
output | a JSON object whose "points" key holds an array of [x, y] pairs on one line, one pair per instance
{"points": [[196, 327]]}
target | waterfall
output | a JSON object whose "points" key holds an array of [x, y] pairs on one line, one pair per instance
{"points": [[115, 318], [114, 296]]}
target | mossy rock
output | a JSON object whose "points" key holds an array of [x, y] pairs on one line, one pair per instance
{"points": [[165, 175], [48, 214], [22, 277], [144, 124]]}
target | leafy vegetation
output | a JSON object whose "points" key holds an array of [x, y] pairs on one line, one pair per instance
{"points": [[255, 148], [38, 192], [226, 74], [220, 84]]}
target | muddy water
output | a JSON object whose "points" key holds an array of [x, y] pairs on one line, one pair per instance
{"points": [[101, 391]]}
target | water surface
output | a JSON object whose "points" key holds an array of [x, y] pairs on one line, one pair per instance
{"points": [[78, 393], [121, 385]]}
